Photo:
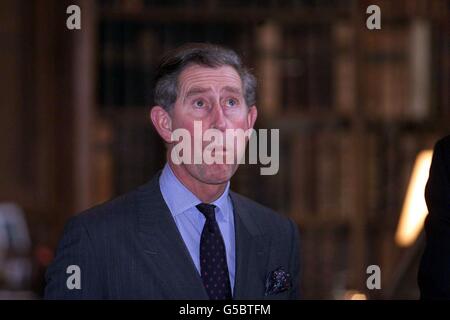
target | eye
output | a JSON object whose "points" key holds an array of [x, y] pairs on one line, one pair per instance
{"points": [[199, 104], [231, 102]]}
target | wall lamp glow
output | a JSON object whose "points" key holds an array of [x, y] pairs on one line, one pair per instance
{"points": [[414, 207]]}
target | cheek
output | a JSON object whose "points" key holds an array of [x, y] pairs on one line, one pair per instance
{"points": [[187, 121], [181, 120], [238, 117], [239, 122], [186, 125], [184, 118]]}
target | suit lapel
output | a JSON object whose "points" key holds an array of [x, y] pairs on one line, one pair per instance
{"points": [[169, 257], [251, 253], [164, 247]]}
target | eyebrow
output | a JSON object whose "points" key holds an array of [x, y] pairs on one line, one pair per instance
{"points": [[232, 89], [199, 90], [196, 90]]}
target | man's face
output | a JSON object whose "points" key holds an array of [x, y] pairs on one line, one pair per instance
{"points": [[215, 97]]}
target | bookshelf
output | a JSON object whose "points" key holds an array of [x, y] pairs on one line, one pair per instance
{"points": [[353, 107]]}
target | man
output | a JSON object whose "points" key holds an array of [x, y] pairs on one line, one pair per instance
{"points": [[184, 235], [434, 271]]}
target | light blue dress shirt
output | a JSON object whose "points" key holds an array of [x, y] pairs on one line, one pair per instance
{"points": [[190, 220]]}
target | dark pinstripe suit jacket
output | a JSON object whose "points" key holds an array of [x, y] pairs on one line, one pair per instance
{"points": [[130, 248], [434, 270]]}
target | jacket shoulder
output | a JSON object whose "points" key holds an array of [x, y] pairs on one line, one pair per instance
{"points": [[445, 140], [266, 218], [114, 216], [109, 210], [443, 144], [442, 151]]}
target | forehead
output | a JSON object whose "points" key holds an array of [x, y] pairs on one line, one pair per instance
{"points": [[210, 78]]}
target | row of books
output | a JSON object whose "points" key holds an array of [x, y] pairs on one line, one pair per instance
{"points": [[129, 53], [333, 187], [322, 172], [316, 68], [326, 263], [132, 5]]}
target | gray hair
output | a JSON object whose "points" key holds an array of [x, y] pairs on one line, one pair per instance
{"points": [[209, 55]]}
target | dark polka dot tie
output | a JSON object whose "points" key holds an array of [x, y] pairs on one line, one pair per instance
{"points": [[213, 261]]}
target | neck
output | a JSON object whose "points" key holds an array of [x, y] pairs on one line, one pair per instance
{"points": [[207, 193]]}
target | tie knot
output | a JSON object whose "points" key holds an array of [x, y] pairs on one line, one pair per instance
{"points": [[207, 210]]}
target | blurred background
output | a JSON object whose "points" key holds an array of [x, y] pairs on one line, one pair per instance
{"points": [[355, 107]]}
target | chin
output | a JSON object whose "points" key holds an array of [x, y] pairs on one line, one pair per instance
{"points": [[216, 173]]}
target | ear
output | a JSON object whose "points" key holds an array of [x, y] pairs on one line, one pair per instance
{"points": [[162, 122], [251, 116]]}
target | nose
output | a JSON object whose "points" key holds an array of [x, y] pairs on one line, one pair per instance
{"points": [[218, 118]]}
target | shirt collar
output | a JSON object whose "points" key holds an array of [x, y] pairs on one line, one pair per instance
{"points": [[223, 203], [179, 198]]}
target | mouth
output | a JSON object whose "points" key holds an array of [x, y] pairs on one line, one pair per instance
{"points": [[219, 152], [216, 149]]}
